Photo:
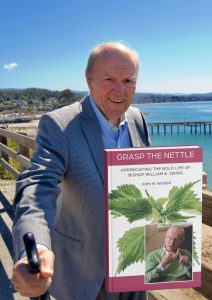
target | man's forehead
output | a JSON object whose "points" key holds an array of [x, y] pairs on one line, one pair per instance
{"points": [[110, 55], [174, 231], [128, 73]]}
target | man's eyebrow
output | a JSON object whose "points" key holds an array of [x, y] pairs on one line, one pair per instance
{"points": [[111, 75]]}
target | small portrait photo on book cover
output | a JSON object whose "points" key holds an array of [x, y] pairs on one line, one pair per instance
{"points": [[168, 252]]}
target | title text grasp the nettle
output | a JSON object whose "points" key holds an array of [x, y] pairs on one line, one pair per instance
{"points": [[156, 155]]}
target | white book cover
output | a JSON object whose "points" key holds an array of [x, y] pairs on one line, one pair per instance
{"points": [[153, 218]]}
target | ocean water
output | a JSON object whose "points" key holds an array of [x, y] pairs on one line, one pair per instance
{"points": [[182, 112]]}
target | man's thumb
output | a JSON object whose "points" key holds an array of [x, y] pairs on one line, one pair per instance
{"points": [[46, 262]]}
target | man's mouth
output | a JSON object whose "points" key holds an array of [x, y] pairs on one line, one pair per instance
{"points": [[116, 100]]}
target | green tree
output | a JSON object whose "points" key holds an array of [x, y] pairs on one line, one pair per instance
{"points": [[24, 98], [43, 98], [68, 95], [16, 95], [4, 96]]}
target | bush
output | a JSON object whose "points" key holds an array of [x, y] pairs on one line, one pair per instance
{"points": [[4, 174]]}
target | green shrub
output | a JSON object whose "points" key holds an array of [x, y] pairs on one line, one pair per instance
{"points": [[4, 174]]}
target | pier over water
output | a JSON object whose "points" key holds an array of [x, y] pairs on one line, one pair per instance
{"points": [[190, 127]]}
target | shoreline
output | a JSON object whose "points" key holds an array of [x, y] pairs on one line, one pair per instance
{"points": [[170, 102]]}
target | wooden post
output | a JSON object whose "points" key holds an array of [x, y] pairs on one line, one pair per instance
{"points": [[3, 140], [158, 129], [152, 129], [164, 128], [23, 151]]}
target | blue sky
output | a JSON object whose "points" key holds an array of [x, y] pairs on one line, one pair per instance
{"points": [[48, 42]]}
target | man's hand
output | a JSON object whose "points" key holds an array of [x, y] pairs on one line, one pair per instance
{"points": [[184, 260], [34, 285], [167, 259]]}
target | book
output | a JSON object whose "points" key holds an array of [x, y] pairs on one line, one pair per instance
{"points": [[153, 218]]}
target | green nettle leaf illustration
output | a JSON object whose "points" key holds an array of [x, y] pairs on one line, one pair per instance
{"points": [[125, 191], [131, 247], [175, 217], [194, 250], [128, 201], [162, 200], [132, 209]]}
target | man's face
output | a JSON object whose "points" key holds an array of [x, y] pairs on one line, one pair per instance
{"points": [[173, 239], [112, 83]]}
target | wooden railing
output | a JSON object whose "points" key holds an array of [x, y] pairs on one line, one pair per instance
{"points": [[24, 144]]}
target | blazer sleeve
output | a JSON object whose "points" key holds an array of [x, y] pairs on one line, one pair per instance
{"points": [[37, 187]]}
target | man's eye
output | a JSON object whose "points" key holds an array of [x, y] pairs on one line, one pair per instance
{"points": [[128, 80]]}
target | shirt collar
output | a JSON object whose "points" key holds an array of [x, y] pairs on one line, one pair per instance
{"points": [[105, 126]]}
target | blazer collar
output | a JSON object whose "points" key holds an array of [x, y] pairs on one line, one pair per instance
{"points": [[92, 132], [91, 129], [136, 140], [132, 131]]}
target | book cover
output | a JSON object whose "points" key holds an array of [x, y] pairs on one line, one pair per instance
{"points": [[153, 218]]}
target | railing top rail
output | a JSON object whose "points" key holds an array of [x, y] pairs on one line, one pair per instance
{"points": [[19, 138], [180, 123]]}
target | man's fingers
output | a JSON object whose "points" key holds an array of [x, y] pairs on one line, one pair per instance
{"points": [[34, 284], [184, 261], [176, 255], [22, 274], [32, 288], [163, 253]]}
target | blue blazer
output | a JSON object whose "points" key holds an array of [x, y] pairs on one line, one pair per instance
{"points": [[61, 197]]}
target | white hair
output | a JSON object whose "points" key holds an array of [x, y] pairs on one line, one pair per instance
{"points": [[179, 227], [114, 45]]}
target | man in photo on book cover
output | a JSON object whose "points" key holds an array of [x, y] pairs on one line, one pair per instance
{"points": [[67, 220], [170, 263]]}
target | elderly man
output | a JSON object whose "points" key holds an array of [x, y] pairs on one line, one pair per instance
{"points": [[169, 263], [68, 220]]}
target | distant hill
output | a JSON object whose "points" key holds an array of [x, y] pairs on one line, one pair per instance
{"points": [[80, 92], [137, 95], [76, 92], [201, 95], [12, 89]]}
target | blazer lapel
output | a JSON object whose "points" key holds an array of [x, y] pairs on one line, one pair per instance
{"points": [[136, 140], [92, 132]]}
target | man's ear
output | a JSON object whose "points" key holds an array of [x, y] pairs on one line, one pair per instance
{"points": [[88, 78]]}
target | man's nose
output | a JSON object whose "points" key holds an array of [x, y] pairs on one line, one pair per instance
{"points": [[118, 87]]}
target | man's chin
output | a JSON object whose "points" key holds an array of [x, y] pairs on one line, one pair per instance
{"points": [[170, 249]]}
